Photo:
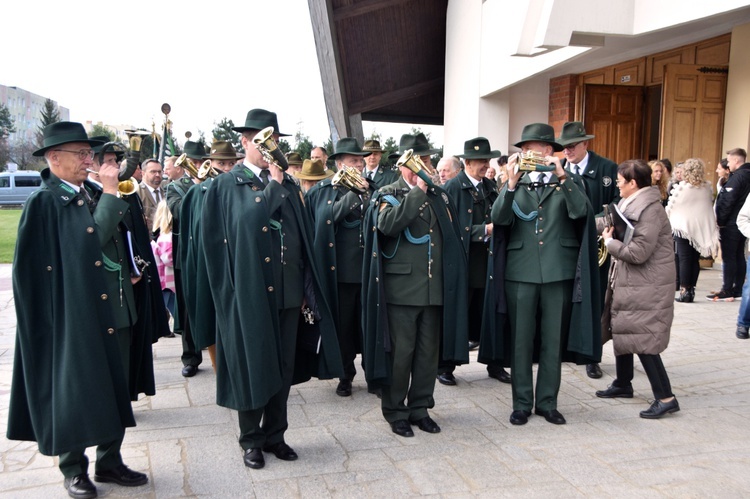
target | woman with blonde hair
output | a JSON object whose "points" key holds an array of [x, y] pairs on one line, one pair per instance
{"points": [[162, 248], [660, 178], [691, 215]]}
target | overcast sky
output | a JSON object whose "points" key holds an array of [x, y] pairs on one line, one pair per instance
{"points": [[118, 62]]}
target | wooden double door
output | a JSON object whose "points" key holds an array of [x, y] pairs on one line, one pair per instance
{"points": [[690, 120]]}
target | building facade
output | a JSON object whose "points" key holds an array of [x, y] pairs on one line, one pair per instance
{"points": [[26, 110]]}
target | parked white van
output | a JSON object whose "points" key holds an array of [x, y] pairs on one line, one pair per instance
{"points": [[16, 187]]}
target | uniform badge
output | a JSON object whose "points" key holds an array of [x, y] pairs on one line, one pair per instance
{"points": [[606, 181], [445, 198]]}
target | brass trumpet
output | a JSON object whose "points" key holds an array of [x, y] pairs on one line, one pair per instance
{"points": [[415, 164], [135, 138], [532, 161], [184, 162], [268, 147], [349, 178], [207, 171], [124, 187]]}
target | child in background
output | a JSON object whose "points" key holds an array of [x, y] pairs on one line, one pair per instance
{"points": [[162, 248]]}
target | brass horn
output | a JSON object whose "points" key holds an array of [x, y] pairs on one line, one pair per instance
{"points": [[349, 178], [268, 147], [184, 162], [532, 161], [207, 171], [124, 187], [415, 164], [135, 138]]}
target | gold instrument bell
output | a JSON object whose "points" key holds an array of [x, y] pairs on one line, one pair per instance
{"points": [[532, 161], [207, 171], [349, 178], [416, 165], [187, 164], [270, 150]]}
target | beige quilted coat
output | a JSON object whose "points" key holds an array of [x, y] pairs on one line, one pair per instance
{"points": [[639, 304]]}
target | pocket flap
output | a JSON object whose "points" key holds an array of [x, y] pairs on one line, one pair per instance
{"points": [[398, 268]]}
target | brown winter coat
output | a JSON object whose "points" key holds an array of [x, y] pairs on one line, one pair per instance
{"points": [[639, 303]]}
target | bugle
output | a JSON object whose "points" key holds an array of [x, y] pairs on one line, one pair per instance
{"points": [[268, 147], [187, 164], [207, 171], [532, 161], [416, 165], [349, 178]]}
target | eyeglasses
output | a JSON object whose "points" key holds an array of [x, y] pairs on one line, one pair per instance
{"points": [[82, 154], [571, 146]]}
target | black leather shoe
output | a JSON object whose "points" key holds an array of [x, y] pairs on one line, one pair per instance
{"points": [[473, 345], [446, 379], [402, 428], [613, 392], [659, 409], [189, 371], [519, 417], [427, 424], [552, 416], [501, 375], [121, 475], [742, 332], [593, 371], [345, 388], [80, 487], [282, 451], [254, 459]]}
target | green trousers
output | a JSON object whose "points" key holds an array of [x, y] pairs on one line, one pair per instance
{"points": [[415, 346], [543, 310]]}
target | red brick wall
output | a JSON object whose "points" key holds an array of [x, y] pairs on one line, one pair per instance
{"points": [[562, 101]]}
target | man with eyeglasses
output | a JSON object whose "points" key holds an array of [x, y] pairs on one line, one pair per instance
{"points": [[337, 218], [74, 305], [599, 176]]}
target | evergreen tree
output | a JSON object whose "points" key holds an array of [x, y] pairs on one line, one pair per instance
{"points": [[101, 130], [223, 131], [50, 114], [303, 145], [7, 126], [389, 147]]}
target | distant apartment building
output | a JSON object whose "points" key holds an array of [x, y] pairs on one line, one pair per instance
{"points": [[26, 110]]}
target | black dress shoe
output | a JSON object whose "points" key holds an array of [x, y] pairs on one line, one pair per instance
{"points": [[613, 392], [189, 371], [254, 459], [345, 388], [121, 475], [742, 332], [552, 416], [282, 451], [446, 379], [519, 417], [659, 409], [593, 371], [402, 428], [473, 345], [80, 487], [427, 424], [500, 374]]}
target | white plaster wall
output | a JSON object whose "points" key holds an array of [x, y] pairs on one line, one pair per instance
{"points": [[737, 113], [529, 103], [650, 15], [462, 69]]}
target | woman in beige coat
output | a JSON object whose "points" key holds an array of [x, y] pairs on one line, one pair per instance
{"points": [[639, 302]]}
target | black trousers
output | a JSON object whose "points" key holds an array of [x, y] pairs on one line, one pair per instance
{"points": [[266, 425], [191, 356], [655, 371], [688, 260], [733, 255], [350, 325]]}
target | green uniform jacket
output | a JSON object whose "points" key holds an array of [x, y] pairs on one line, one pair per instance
{"points": [[375, 314], [527, 262], [237, 235], [68, 389], [152, 322], [195, 285], [327, 216], [383, 176], [600, 179]]}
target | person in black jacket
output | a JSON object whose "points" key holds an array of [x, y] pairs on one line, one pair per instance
{"points": [[728, 203]]}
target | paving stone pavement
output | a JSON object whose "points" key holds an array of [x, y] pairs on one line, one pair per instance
{"points": [[188, 445]]}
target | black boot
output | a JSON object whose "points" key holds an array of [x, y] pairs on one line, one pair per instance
{"points": [[687, 295]]}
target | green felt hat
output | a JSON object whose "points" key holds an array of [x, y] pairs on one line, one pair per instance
{"points": [[372, 146], [258, 119], [64, 132], [348, 145], [539, 132], [119, 153], [418, 143], [572, 133], [479, 148], [221, 149], [194, 150]]}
